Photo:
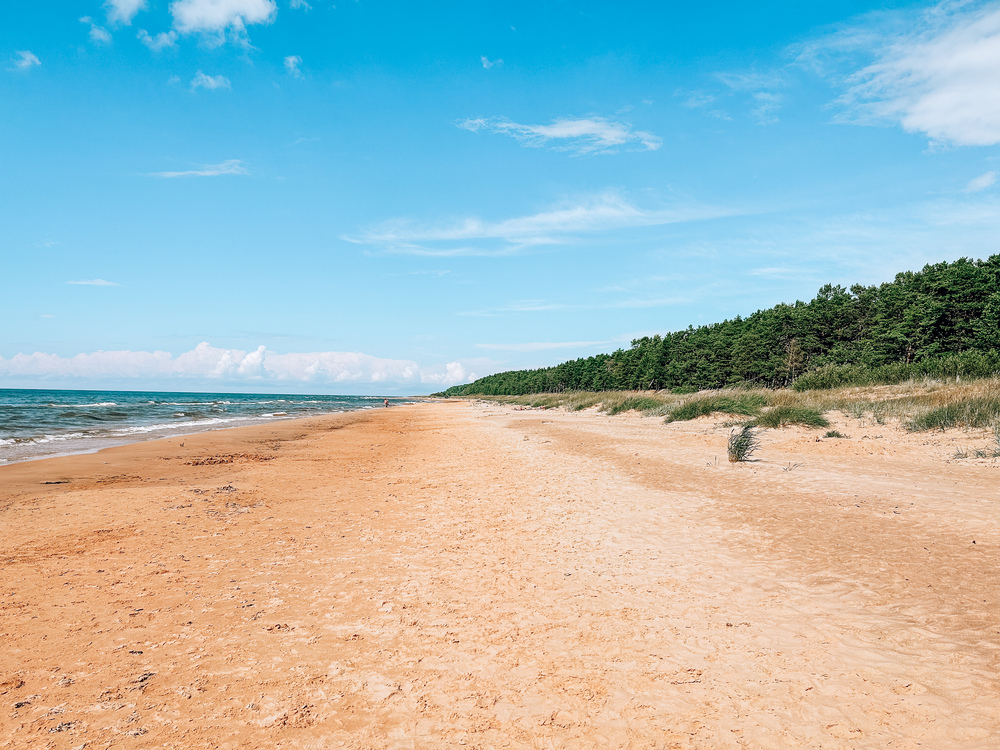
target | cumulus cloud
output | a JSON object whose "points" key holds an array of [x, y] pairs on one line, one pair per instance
{"points": [[488, 63], [94, 282], [606, 211], [982, 182], [228, 167], [936, 74], [207, 362], [202, 81], [123, 11], [23, 59], [292, 63], [586, 135], [98, 34], [218, 16], [158, 42]]}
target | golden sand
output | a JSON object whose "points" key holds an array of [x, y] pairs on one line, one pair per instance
{"points": [[460, 574]]}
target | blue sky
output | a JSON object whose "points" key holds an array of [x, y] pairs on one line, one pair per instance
{"points": [[392, 197]]}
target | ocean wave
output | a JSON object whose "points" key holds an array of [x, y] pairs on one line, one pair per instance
{"points": [[82, 406]]}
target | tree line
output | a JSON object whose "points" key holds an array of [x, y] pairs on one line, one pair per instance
{"points": [[941, 320]]}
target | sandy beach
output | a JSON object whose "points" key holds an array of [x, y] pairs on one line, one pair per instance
{"points": [[475, 575]]}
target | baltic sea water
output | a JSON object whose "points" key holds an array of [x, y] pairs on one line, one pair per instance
{"points": [[42, 423]]}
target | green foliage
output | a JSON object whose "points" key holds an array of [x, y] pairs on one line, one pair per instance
{"points": [[780, 416], [940, 322], [835, 434], [968, 365], [742, 443], [977, 411], [747, 404]]}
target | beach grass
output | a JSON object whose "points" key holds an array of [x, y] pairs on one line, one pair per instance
{"points": [[915, 405], [780, 416], [742, 443]]}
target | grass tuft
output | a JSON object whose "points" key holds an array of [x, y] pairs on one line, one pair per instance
{"points": [[779, 416], [835, 434], [742, 443], [638, 403], [979, 411], [746, 404]]}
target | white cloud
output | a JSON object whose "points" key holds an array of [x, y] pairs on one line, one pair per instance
{"points": [[541, 346], [228, 167], [212, 363], [935, 75], [123, 11], [23, 59], [452, 374], [202, 81], [487, 63], [296, 4], [982, 182], [587, 135], [95, 282], [98, 35], [218, 16], [161, 41], [472, 236], [292, 63]]}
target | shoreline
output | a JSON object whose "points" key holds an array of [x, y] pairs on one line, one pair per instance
{"points": [[463, 573], [43, 423]]}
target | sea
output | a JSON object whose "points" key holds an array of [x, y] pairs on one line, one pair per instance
{"points": [[44, 423]]}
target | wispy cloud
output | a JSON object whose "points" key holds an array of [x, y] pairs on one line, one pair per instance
{"points": [[932, 71], [95, 282], [123, 11], [488, 63], [292, 66], [98, 34], [299, 4], [228, 167], [25, 60], [161, 41], [561, 224], [541, 346], [202, 81], [982, 182], [588, 135], [207, 362], [762, 89]]}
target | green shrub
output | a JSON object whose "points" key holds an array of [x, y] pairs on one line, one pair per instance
{"points": [[835, 434]]}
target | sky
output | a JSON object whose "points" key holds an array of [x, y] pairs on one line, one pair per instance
{"points": [[396, 197]]}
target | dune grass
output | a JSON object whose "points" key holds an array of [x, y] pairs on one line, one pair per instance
{"points": [[915, 405], [746, 404], [981, 411], [779, 416], [742, 443]]}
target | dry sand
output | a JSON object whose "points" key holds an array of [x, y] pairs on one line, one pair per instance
{"points": [[472, 575]]}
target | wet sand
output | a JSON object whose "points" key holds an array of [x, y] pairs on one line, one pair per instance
{"points": [[459, 574]]}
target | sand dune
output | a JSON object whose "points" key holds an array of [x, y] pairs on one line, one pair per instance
{"points": [[469, 575]]}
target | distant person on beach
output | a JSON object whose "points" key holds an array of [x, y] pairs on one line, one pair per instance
{"points": [[386, 402]]}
